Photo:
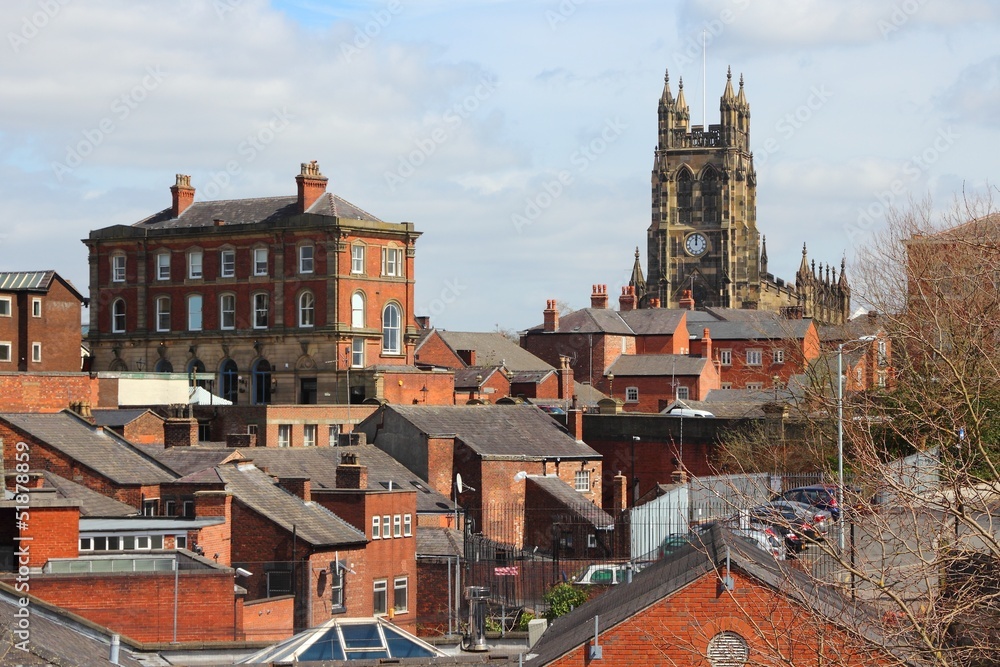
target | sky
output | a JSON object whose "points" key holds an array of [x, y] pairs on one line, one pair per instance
{"points": [[518, 136]]}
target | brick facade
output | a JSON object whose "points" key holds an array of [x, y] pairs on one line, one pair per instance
{"points": [[53, 392], [269, 619], [39, 323]]}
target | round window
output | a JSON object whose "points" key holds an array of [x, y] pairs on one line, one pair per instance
{"points": [[728, 649]]}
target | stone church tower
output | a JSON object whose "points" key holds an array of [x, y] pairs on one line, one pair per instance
{"points": [[703, 236]]}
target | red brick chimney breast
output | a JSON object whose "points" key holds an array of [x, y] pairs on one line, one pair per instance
{"points": [[181, 195], [311, 185]]}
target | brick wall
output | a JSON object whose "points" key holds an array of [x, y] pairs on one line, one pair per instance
{"points": [[57, 330], [432, 606], [147, 429], [50, 392], [215, 539], [678, 630], [407, 388], [54, 533], [435, 352], [141, 605], [270, 619]]}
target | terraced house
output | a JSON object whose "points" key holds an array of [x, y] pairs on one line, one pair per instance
{"points": [[276, 298]]}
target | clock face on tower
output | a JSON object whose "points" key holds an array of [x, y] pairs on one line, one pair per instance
{"points": [[695, 244]]}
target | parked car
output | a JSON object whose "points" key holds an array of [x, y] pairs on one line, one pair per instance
{"points": [[605, 574], [688, 412], [822, 496], [672, 543], [761, 532], [807, 523], [767, 539]]}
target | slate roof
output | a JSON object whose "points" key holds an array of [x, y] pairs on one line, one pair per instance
{"points": [[497, 431], [653, 321], [590, 320], [100, 450], [629, 365], [440, 541], [685, 566], [312, 523], [736, 324], [493, 349], [571, 501], [92, 503], [465, 378], [34, 281], [319, 464], [57, 636], [255, 210], [120, 416]]}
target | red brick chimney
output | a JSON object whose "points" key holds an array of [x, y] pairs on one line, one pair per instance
{"points": [[311, 185], [687, 300], [551, 316], [626, 301], [299, 486], [468, 356], [565, 379], [706, 344], [654, 302], [574, 423], [180, 432], [350, 474], [181, 195], [599, 297], [620, 493]]}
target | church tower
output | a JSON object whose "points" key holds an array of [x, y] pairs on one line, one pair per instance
{"points": [[703, 235]]}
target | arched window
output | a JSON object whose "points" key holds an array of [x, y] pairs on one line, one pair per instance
{"points": [[261, 376], [307, 309], [358, 310], [229, 380], [118, 316], [390, 329], [684, 189], [163, 366]]}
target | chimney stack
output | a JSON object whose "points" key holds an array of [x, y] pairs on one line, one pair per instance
{"points": [[687, 300], [706, 344], [311, 185], [599, 297], [181, 195], [654, 302], [619, 493], [565, 379], [350, 474], [626, 301], [550, 316]]}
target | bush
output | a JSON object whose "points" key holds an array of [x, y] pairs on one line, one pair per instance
{"points": [[522, 623], [562, 599]]}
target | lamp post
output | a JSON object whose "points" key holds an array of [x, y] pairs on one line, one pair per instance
{"points": [[635, 481]]}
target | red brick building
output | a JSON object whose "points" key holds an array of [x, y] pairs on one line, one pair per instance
{"points": [[720, 602], [39, 322], [278, 298]]}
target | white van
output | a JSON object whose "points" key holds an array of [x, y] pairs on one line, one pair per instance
{"points": [[688, 412]]}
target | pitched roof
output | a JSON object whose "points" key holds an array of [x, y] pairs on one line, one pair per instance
{"points": [[34, 281], [319, 464], [629, 365], [683, 567], [120, 416], [440, 541], [311, 522], [497, 431], [92, 503], [493, 349], [57, 636], [654, 321], [102, 451], [473, 376], [591, 320], [736, 324], [252, 211], [571, 501]]}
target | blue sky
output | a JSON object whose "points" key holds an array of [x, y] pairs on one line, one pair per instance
{"points": [[518, 136]]}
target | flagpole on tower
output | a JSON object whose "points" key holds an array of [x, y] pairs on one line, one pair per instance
{"points": [[704, 85]]}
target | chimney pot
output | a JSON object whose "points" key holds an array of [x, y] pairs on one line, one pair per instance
{"points": [[181, 195], [311, 185]]}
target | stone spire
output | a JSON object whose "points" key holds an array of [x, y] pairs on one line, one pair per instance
{"points": [[728, 98], [763, 256], [682, 107], [637, 280], [667, 98], [741, 98], [804, 265]]}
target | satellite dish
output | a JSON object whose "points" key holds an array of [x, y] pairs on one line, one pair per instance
{"points": [[458, 482]]}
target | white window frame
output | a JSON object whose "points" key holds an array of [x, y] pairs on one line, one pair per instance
{"points": [[358, 259], [195, 317], [36, 352], [261, 314], [224, 312], [196, 265], [6, 307], [227, 263], [36, 307], [386, 519], [683, 393], [357, 353], [407, 525], [309, 432], [180, 541], [726, 357], [376, 527], [392, 333], [116, 326], [397, 525], [755, 357], [725, 385], [163, 313], [260, 261], [358, 310], [581, 481], [337, 587], [307, 313], [380, 587], [163, 267], [778, 356], [170, 508], [6, 351], [118, 268], [631, 394], [755, 386], [307, 259], [392, 262], [334, 435], [187, 509], [284, 435], [400, 585], [86, 544]]}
